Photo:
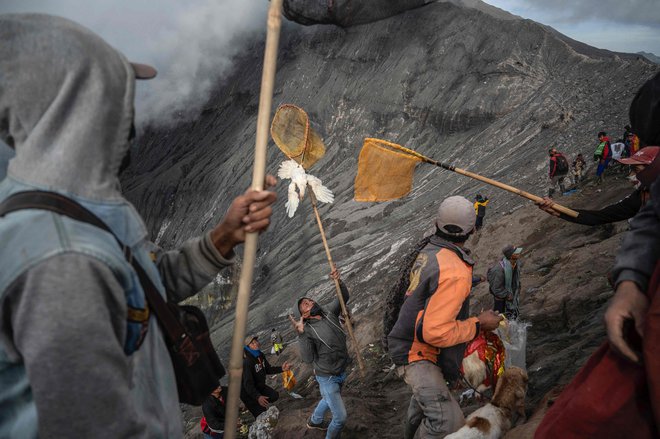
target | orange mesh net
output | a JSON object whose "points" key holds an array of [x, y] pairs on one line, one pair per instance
{"points": [[385, 171], [292, 133]]}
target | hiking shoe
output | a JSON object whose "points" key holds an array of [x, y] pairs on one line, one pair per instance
{"points": [[323, 425]]}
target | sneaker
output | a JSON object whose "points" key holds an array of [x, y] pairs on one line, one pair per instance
{"points": [[323, 425]]}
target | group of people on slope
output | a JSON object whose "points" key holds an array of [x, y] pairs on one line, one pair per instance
{"points": [[623, 151]]}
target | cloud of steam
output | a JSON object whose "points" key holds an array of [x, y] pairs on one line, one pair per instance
{"points": [[191, 43], [196, 53]]}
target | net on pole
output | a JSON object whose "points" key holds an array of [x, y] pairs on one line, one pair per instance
{"points": [[385, 171], [293, 134]]}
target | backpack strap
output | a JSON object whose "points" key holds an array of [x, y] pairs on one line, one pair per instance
{"points": [[57, 203]]}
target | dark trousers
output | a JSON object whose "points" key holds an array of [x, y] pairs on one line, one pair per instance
{"points": [[253, 405], [499, 305], [479, 223]]}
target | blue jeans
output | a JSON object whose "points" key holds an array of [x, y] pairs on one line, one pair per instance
{"points": [[601, 167], [330, 388]]}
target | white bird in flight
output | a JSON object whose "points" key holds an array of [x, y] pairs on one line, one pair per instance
{"points": [[299, 180]]}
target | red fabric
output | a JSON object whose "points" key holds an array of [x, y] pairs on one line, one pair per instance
{"points": [[610, 397], [651, 343], [491, 351], [204, 426]]}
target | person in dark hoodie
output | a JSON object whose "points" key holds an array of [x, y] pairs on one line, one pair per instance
{"points": [[323, 344], [80, 356], [255, 394], [428, 339]]}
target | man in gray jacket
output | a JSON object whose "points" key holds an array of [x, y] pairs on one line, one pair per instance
{"points": [[504, 282], [80, 353], [323, 344]]}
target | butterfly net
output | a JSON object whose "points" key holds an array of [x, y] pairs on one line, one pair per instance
{"points": [[292, 133], [385, 171]]}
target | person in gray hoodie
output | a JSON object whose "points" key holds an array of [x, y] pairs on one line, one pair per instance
{"points": [[323, 344], [80, 355]]}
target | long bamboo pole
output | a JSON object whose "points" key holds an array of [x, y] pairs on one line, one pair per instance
{"points": [[250, 249], [506, 187], [344, 311]]}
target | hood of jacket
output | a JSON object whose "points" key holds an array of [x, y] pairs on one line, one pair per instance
{"points": [[66, 105], [462, 252]]}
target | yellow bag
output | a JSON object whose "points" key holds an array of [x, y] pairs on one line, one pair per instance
{"points": [[288, 380]]}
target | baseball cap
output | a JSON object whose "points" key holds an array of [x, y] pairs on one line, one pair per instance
{"points": [[644, 156], [249, 339], [511, 250], [456, 216]]}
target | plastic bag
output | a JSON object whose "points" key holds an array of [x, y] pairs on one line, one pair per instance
{"points": [[288, 380], [513, 334]]}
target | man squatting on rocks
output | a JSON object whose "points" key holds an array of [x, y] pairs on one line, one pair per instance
{"points": [[72, 362], [255, 394], [434, 317], [323, 344]]}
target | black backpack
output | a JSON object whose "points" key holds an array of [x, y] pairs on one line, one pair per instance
{"points": [[562, 164]]}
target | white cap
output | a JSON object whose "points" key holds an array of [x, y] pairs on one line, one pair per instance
{"points": [[456, 216]]}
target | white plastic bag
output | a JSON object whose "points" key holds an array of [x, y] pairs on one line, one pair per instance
{"points": [[514, 336]]}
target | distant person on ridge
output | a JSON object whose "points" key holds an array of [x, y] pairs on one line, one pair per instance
{"points": [[434, 323], [276, 340], [504, 283], [577, 170], [621, 210], [480, 204], [557, 170], [602, 155], [323, 344], [255, 394]]}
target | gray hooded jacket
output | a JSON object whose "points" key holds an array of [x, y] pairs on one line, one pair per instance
{"points": [[66, 106], [323, 342]]}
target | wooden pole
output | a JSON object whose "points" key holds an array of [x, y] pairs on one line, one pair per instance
{"points": [[506, 187], [250, 249], [344, 311]]}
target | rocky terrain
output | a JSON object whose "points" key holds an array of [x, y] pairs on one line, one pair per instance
{"points": [[487, 93]]}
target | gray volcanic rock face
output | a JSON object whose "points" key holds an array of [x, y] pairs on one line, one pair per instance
{"points": [[486, 94], [345, 12]]}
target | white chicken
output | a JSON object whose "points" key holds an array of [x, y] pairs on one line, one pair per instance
{"points": [[299, 180]]}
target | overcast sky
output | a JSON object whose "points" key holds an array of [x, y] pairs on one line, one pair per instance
{"points": [[618, 25], [191, 42]]}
